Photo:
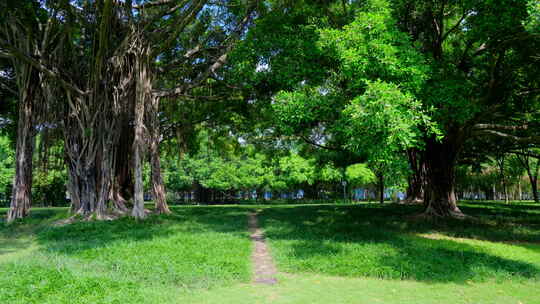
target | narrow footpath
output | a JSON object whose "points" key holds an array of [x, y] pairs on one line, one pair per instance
{"points": [[264, 270]]}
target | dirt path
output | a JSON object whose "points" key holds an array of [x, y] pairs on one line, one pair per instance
{"points": [[264, 270]]}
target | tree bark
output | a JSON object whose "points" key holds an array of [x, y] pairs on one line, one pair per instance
{"points": [[73, 187], [21, 199], [123, 184], [158, 186], [143, 89], [441, 157], [532, 173], [534, 188], [416, 181]]}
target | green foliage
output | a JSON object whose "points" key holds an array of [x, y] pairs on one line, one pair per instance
{"points": [[533, 22], [372, 48], [482, 179], [7, 167], [384, 121], [223, 165], [49, 188], [359, 175], [329, 173], [295, 170], [368, 103], [175, 175]]}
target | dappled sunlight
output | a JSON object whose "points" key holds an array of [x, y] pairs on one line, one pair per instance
{"points": [[379, 242], [323, 289], [193, 248]]}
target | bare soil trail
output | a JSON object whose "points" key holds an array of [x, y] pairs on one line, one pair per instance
{"points": [[264, 270]]}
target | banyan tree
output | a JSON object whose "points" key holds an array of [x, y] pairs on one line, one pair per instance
{"points": [[93, 69]]}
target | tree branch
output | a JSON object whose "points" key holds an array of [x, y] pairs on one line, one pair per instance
{"points": [[453, 28], [311, 142], [499, 127], [6, 87], [517, 139], [14, 53], [153, 4], [221, 60], [526, 154]]}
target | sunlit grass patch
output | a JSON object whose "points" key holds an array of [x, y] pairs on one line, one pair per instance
{"points": [[121, 261], [382, 242]]}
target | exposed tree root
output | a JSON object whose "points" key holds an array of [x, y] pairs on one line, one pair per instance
{"points": [[432, 214], [63, 222], [414, 201], [162, 211], [81, 216]]}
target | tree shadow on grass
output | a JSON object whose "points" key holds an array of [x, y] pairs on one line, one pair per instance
{"points": [[521, 206], [376, 241], [384, 243], [12, 245], [14, 237], [86, 235]]}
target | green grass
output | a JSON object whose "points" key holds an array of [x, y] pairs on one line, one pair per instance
{"points": [[320, 289], [122, 261], [359, 253], [368, 240]]}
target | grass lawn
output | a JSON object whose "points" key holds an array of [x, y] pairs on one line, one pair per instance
{"points": [[123, 261], [362, 253]]}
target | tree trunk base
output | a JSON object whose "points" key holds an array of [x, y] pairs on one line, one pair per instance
{"points": [[139, 213], [413, 201], [431, 213], [15, 214], [79, 217], [163, 211]]}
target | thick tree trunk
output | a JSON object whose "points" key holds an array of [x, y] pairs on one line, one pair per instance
{"points": [[73, 187], [21, 198], [138, 141], [138, 190], [88, 191], [416, 181], [158, 186], [440, 195], [123, 184], [104, 180]]}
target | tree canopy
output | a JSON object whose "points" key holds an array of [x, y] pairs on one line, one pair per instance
{"points": [[109, 100]]}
